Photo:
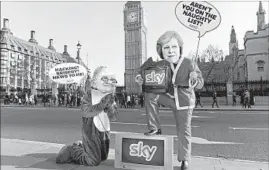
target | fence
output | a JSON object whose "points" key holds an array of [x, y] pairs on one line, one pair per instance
{"points": [[256, 88]]}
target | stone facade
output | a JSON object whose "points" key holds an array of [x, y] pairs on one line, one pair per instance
{"points": [[25, 64], [252, 62], [135, 43], [257, 54]]}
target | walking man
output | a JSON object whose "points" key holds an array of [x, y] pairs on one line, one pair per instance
{"points": [[215, 99], [198, 99]]}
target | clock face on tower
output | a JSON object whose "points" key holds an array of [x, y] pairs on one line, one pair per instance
{"points": [[132, 17]]}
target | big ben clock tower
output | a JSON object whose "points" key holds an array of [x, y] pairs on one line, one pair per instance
{"points": [[135, 43]]}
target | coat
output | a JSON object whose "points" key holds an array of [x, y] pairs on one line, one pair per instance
{"points": [[184, 94], [179, 89]]}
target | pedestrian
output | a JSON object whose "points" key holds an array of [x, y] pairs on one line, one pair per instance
{"points": [[242, 102], [198, 99], [142, 100], [234, 99], [247, 99], [128, 100], [6, 100], [181, 100], [132, 100], [214, 97], [35, 99]]}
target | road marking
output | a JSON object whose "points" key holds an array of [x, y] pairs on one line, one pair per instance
{"points": [[112, 151], [173, 115], [142, 124], [196, 140], [245, 128], [237, 112]]}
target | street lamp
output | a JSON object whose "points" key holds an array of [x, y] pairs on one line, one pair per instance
{"points": [[78, 47], [78, 58]]}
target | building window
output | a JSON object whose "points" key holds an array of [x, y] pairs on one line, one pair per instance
{"points": [[260, 65], [3, 80]]}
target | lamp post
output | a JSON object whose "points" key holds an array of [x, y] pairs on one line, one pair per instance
{"points": [[78, 47], [78, 58]]}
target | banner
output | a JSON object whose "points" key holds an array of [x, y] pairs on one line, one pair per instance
{"points": [[198, 16], [67, 73]]}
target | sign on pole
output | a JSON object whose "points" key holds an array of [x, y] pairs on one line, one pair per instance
{"points": [[198, 16], [67, 73]]}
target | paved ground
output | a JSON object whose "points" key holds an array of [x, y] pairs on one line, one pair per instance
{"points": [[219, 134], [23, 155]]}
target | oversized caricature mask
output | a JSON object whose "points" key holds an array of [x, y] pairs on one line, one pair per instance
{"points": [[170, 51], [103, 80]]}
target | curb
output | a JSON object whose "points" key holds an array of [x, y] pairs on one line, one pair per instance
{"points": [[164, 109]]}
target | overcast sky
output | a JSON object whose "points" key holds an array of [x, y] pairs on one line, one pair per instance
{"points": [[99, 27]]}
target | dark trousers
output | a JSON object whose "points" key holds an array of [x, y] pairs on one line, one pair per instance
{"points": [[215, 102], [198, 102], [182, 117]]}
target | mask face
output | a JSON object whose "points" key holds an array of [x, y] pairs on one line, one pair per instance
{"points": [[106, 81], [170, 51]]}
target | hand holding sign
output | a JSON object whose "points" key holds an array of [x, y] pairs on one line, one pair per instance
{"points": [[198, 16]]}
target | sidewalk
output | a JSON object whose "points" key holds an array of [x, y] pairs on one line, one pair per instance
{"points": [[21, 155]]}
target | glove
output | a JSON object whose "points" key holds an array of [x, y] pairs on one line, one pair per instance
{"points": [[139, 79]]}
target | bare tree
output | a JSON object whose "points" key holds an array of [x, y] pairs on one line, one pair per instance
{"points": [[212, 54], [191, 55]]}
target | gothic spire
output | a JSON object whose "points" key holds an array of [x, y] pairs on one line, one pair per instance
{"points": [[260, 17], [260, 8], [233, 36]]}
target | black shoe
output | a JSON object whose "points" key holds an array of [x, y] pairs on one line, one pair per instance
{"points": [[153, 132], [184, 165]]}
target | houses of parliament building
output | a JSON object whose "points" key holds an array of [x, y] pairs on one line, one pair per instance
{"points": [[25, 64]]}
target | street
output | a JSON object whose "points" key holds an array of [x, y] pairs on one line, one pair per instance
{"points": [[226, 134]]}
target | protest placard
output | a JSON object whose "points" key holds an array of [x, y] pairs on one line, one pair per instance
{"points": [[198, 16], [67, 73]]}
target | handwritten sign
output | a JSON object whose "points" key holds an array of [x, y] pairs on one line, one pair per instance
{"points": [[67, 73], [198, 16]]}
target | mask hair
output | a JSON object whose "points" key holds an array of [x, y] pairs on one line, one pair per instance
{"points": [[166, 37], [96, 75]]}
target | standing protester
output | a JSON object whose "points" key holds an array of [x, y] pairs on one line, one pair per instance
{"points": [[214, 96], [182, 100], [198, 99]]}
